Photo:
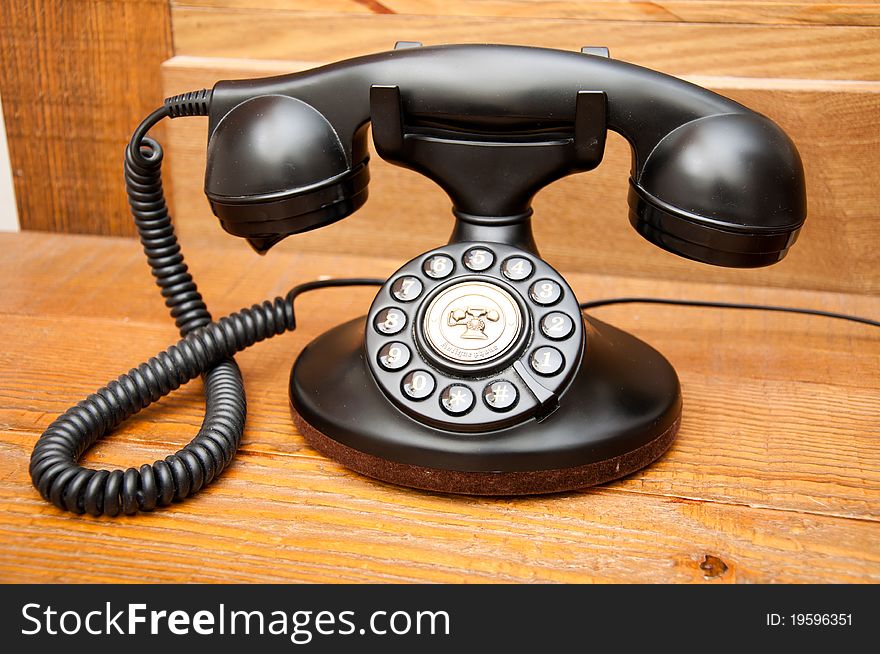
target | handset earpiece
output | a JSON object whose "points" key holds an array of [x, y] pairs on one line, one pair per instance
{"points": [[277, 167], [725, 189]]}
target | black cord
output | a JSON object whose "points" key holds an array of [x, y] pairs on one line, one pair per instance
{"points": [[206, 348], [299, 289], [725, 305]]}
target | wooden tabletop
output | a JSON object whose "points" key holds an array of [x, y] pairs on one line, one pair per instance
{"points": [[775, 476]]}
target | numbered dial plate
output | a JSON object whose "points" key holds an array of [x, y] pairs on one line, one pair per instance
{"points": [[488, 337], [472, 322]]}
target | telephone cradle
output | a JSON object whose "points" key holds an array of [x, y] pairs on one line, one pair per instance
{"points": [[475, 370]]}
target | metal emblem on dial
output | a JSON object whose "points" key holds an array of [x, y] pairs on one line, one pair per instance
{"points": [[472, 322]]}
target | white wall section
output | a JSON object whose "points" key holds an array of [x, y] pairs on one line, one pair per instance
{"points": [[8, 211]]}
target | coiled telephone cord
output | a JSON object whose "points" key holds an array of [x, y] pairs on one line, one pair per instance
{"points": [[206, 348]]}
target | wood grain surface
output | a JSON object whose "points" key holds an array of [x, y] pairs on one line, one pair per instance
{"points": [[816, 52], [581, 222], [76, 79], [776, 470], [812, 12]]}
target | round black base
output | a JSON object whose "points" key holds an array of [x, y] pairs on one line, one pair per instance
{"points": [[620, 413]]}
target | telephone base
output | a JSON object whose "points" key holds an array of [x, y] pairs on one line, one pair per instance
{"points": [[621, 412]]}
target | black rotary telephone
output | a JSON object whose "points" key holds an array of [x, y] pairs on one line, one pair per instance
{"points": [[474, 370]]}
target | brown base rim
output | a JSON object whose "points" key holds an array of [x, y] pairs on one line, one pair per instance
{"points": [[532, 482]]}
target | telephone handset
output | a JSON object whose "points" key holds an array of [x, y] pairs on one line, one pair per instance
{"points": [[474, 370], [710, 180]]}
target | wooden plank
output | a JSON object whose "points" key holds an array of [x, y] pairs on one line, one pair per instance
{"points": [[812, 12], [108, 280], [285, 519], [835, 252], [76, 79], [780, 410], [775, 472], [821, 52]]}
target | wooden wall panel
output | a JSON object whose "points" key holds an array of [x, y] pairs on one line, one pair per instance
{"points": [[822, 52], [76, 79], [812, 12], [581, 222], [74, 92]]}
